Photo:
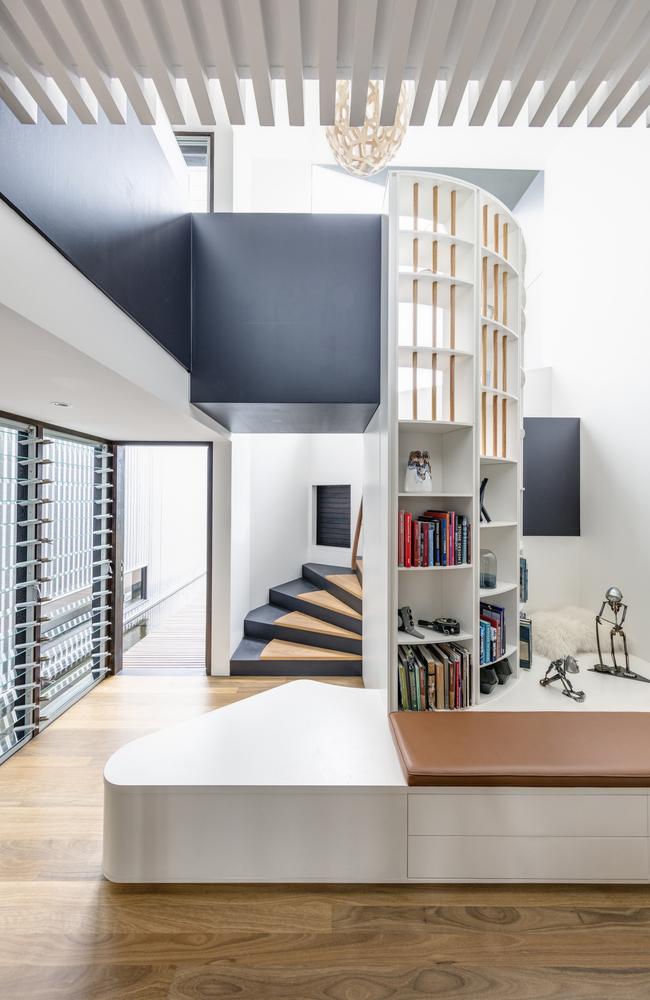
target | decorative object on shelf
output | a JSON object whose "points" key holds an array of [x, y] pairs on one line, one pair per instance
{"points": [[525, 641], [489, 680], [418, 473], [557, 670], [481, 499], [405, 623], [614, 599], [363, 150], [488, 571], [503, 670], [448, 626]]}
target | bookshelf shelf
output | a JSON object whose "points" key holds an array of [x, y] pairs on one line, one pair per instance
{"points": [[510, 651], [434, 277], [494, 325], [497, 258], [454, 352], [437, 237], [436, 426], [430, 636], [496, 460], [448, 352], [433, 569], [502, 587], [437, 496], [499, 392]]}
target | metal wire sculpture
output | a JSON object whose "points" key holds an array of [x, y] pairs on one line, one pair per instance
{"points": [[557, 670]]}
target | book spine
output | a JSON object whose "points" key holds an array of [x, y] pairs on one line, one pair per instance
{"points": [[400, 540], [407, 539], [416, 544]]}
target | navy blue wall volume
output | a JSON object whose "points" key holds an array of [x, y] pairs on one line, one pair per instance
{"points": [[551, 473], [105, 196], [286, 320]]}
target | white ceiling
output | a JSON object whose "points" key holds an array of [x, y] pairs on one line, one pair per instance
{"points": [[551, 60]]}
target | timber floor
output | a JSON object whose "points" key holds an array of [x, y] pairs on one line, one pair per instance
{"points": [[66, 934]]}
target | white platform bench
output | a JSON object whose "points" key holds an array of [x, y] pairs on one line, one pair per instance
{"points": [[305, 783]]}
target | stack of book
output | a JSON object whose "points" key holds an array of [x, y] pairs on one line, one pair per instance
{"points": [[492, 633], [434, 538], [432, 677]]}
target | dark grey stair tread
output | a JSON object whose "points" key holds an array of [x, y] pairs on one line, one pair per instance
{"points": [[325, 570], [246, 660]]}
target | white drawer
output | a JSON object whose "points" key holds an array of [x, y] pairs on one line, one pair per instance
{"points": [[510, 814], [529, 858]]}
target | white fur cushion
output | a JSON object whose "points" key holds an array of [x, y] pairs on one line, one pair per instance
{"points": [[563, 632]]}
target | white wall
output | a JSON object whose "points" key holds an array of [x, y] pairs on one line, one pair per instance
{"points": [[272, 509], [165, 512]]}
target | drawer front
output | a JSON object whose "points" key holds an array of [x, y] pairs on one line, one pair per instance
{"points": [[514, 814], [529, 858]]}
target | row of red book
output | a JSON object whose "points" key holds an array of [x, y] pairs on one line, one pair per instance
{"points": [[433, 538]]}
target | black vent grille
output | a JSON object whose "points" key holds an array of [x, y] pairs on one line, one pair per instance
{"points": [[333, 516]]}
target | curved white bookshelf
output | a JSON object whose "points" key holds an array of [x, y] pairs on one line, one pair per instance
{"points": [[454, 354]]}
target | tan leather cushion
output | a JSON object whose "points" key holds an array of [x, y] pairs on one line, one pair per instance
{"points": [[524, 748]]}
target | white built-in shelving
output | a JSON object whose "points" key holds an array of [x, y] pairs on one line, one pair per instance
{"points": [[455, 266]]}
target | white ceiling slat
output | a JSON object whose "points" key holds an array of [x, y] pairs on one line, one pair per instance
{"points": [[362, 49], [109, 93], [138, 17], [602, 106], [577, 47], [42, 88], [19, 102], [614, 39], [634, 104], [475, 27], [139, 91], [517, 18], [197, 80], [217, 32], [401, 28], [293, 61], [555, 16], [328, 28], [442, 14], [253, 24], [76, 91]]}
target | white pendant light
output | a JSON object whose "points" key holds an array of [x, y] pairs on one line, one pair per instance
{"points": [[366, 149]]}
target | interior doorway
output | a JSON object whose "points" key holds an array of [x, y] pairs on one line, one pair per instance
{"points": [[165, 562]]}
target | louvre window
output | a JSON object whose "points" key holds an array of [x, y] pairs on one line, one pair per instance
{"points": [[55, 575]]}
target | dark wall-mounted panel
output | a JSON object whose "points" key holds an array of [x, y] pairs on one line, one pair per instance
{"points": [[286, 320], [106, 197], [551, 476]]}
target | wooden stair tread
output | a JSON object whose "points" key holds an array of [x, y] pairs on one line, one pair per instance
{"points": [[324, 599], [298, 620], [348, 582], [280, 649]]}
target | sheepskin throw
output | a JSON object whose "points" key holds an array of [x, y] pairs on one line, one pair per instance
{"points": [[563, 632]]}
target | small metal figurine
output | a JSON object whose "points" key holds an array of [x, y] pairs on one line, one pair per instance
{"points": [[614, 599], [562, 667]]}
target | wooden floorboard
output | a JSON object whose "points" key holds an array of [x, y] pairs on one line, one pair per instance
{"points": [[176, 643], [66, 934]]}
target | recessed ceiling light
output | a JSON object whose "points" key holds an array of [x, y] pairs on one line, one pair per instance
{"points": [[57, 402]]}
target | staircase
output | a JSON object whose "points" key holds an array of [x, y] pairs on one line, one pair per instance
{"points": [[311, 627]]}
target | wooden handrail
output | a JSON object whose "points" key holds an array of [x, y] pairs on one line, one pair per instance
{"points": [[357, 533]]}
